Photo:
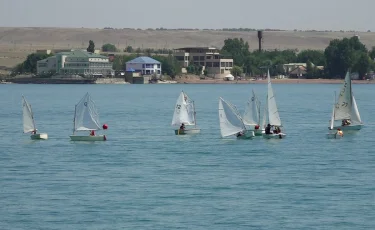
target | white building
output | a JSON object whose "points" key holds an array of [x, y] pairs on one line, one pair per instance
{"points": [[207, 57], [76, 62], [144, 65]]}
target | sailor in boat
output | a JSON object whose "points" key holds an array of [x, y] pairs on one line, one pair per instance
{"points": [[345, 122], [276, 130], [267, 130], [92, 133], [339, 132], [257, 127], [239, 134], [182, 127], [33, 132]]}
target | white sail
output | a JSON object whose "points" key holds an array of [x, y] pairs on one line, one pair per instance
{"points": [[251, 115], [273, 113], [28, 117], [184, 111], [86, 116], [355, 117], [230, 120], [332, 121], [344, 103]]}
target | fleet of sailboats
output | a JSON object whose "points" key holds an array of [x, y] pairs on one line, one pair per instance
{"points": [[247, 126], [184, 113], [29, 122]]}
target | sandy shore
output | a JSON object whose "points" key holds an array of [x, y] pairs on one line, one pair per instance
{"points": [[274, 81]]}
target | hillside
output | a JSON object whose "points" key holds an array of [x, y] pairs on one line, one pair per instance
{"points": [[16, 43]]}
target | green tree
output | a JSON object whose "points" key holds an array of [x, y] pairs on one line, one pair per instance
{"points": [[169, 65], [91, 47], [362, 64], [109, 48], [29, 65], [315, 56], [238, 49], [372, 53], [236, 71], [129, 49], [341, 55]]}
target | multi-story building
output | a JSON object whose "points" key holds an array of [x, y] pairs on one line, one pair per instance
{"points": [[76, 62], [144, 65], [207, 57]]}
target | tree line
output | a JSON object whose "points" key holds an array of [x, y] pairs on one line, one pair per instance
{"points": [[337, 58]]}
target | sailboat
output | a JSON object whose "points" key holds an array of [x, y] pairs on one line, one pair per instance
{"points": [[184, 113], [345, 109], [231, 122], [251, 116], [86, 119], [29, 122], [271, 115]]}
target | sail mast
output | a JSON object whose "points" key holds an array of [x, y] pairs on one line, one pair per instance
{"points": [[74, 119], [195, 119]]}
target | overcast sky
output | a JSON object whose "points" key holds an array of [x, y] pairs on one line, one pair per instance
{"points": [[277, 14]]}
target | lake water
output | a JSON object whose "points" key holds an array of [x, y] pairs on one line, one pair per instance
{"points": [[145, 177]]}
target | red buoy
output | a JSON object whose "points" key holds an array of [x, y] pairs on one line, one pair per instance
{"points": [[105, 126]]}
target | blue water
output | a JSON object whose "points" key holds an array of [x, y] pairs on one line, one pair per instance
{"points": [[145, 177]]}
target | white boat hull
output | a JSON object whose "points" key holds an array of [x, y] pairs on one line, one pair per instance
{"points": [[248, 135], [187, 131], [88, 138], [333, 136], [39, 136], [274, 136], [348, 127]]}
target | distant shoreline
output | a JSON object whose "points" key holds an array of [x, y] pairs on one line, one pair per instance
{"points": [[274, 81]]}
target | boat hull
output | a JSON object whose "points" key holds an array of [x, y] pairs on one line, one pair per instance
{"points": [[186, 131], [248, 135], [88, 138], [274, 136], [39, 136], [348, 127], [257, 132]]}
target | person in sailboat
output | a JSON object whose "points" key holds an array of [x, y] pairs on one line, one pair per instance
{"points": [[182, 127], [33, 132], [267, 130], [239, 134], [339, 132], [276, 130], [345, 122], [92, 133]]}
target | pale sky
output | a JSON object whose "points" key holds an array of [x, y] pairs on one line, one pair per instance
{"points": [[261, 14]]}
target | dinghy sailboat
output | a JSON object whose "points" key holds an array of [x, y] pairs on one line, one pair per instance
{"points": [[86, 118], [231, 122], [251, 116], [29, 122], [272, 114], [345, 109], [184, 113]]}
